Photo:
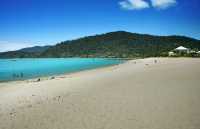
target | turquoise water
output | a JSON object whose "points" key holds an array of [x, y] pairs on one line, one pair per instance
{"points": [[20, 69]]}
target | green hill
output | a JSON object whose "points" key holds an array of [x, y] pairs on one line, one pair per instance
{"points": [[36, 49], [119, 44]]}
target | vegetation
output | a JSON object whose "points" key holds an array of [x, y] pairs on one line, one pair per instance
{"points": [[118, 44], [36, 49]]}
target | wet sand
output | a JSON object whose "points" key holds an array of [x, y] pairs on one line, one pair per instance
{"points": [[152, 93]]}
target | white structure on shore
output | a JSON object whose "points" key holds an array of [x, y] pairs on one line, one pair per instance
{"points": [[179, 51], [182, 49]]}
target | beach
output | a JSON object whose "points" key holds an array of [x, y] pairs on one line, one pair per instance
{"points": [[151, 93]]}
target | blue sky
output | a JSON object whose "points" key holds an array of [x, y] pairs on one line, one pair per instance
{"points": [[25, 23]]}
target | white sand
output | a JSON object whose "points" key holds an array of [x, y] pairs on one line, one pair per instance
{"points": [[145, 95]]}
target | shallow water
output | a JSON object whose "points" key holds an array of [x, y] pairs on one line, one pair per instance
{"points": [[20, 69]]}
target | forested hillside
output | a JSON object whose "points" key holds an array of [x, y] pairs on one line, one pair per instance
{"points": [[119, 44]]}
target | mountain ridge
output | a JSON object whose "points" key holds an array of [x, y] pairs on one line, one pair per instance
{"points": [[35, 49], [120, 44]]}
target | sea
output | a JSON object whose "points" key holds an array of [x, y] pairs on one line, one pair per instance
{"points": [[22, 69]]}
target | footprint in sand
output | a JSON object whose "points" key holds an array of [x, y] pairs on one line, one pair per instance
{"points": [[13, 113], [30, 106]]}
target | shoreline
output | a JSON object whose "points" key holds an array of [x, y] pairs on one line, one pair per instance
{"points": [[50, 77]]}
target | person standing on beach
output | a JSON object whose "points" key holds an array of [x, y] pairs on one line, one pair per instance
{"points": [[21, 75]]}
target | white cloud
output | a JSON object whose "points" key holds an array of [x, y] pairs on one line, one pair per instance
{"points": [[163, 4], [134, 4], [142, 4]]}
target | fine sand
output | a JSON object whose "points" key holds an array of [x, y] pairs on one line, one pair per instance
{"points": [[140, 94]]}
